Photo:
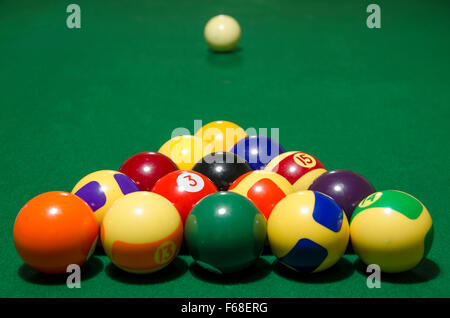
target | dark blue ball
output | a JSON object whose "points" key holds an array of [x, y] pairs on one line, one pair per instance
{"points": [[257, 150]]}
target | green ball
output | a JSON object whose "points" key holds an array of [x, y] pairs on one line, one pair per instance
{"points": [[225, 232]]}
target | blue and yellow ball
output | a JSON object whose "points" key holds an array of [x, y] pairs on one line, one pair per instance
{"points": [[308, 231], [101, 189], [391, 229]]}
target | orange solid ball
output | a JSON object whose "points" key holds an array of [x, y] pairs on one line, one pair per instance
{"points": [[53, 230]]}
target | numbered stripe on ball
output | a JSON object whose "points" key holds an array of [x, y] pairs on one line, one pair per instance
{"points": [[190, 182], [370, 200], [165, 252], [304, 160]]}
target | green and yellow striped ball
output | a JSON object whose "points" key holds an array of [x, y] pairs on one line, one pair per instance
{"points": [[391, 229]]}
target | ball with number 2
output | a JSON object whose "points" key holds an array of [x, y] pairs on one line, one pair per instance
{"points": [[184, 189]]}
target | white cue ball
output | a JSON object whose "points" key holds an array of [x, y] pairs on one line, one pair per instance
{"points": [[222, 33]]}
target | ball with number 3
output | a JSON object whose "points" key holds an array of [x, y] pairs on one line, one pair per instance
{"points": [[184, 189], [299, 168]]}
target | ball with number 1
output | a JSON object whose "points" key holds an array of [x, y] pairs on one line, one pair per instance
{"points": [[184, 189], [299, 168]]}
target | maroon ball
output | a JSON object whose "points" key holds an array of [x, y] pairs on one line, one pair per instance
{"points": [[346, 187], [146, 168]]}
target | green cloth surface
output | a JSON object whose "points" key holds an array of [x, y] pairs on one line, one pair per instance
{"points": [[376, 101]]}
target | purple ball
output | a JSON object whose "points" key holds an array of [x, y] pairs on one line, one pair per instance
{"points": [[346, 187]]}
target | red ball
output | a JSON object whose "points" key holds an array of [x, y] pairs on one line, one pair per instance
{"points": [[264, 188], [184, 189], [146, 168]]}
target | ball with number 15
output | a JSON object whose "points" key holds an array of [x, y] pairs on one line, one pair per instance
{"points": [[299, 168]]}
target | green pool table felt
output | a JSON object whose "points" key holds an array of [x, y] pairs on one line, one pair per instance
{"points": [[376, 101]]}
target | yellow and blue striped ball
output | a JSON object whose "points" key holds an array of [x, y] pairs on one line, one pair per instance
{"points": [[391, 229], [308, 231]]}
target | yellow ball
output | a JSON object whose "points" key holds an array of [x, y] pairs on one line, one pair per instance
{"points": [[308, 231], [222, 33], [102, 188], [391, 229], [142, 232], [220, 135], [185, 151]]}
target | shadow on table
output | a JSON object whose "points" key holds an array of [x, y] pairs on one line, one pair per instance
{"points": [[425, 271], [99, 250], [183, 250], [349, 250], [341, 270], [90, 269], [225, 59], [259, 270], [172, 271], [267, 250]]}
